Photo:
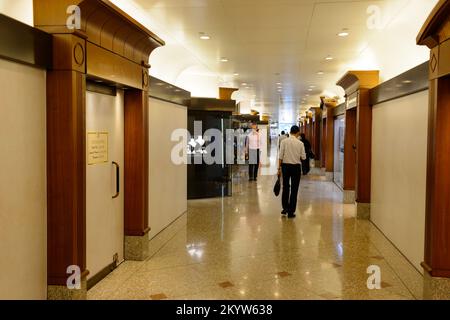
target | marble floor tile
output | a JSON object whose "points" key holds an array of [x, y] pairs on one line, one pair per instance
{"points": [[241, 247]]}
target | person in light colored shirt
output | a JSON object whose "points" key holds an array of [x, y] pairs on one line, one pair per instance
{"points": [[253, 146], [292, 153]]}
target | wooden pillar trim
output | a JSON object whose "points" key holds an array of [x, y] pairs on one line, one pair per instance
{"points": [[357, 85], [330, 104], [136, 163], [350, 150], [436, 35], [317, 133], [66, 159]]}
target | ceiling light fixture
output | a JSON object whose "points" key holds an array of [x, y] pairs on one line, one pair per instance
{"points": [[204, 36], [343, 33], [320, 73], [329, 58], [244, 84], [236, 74], [224, 60]]}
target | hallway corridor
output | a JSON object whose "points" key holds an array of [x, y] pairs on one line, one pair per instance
{"points": [[242, 248]]}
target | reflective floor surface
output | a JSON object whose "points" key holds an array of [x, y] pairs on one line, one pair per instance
{"points": [[242, 248]]}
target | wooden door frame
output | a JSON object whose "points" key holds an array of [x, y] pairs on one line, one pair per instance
{"points": [[114, 48]]}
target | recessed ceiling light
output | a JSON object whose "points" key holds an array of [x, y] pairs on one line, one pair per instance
{"points": [[205, 37], [310, 90], [224, 60], [343, 33], [320, 73], [329, 58], [407, 81], [312, 87], [244, 83], [236, 74]]}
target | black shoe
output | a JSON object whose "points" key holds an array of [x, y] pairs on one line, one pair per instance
{"points": [[284, 212], [291, 216]]}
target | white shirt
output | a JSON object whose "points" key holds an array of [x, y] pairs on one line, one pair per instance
{"points": [[292, 151], [253, 141]]}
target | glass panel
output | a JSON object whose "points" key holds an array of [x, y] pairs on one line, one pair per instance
{"points": [[339, 136]]}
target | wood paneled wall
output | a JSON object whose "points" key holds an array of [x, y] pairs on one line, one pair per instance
{"points": [[66, 162], [330, 139], [323, 142], [350, 150], [136, 163], [363, 148], [436, 35]]}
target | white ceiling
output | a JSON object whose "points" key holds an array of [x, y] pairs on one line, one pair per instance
{"points": [[282, 41]]}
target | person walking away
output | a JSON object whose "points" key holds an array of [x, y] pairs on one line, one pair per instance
{"points": [[309, 154], [253, 144], [292, 153], [282, 137]]}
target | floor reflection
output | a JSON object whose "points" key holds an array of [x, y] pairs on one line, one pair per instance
{"points": [[241, 247]]}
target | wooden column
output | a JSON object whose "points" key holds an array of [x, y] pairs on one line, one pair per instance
{"points": [[323, 143], [330, 139], [317, 134], [350, 156], [363, 151], [136, 178], [309, 135], [357, 85], [66, 165], [435, 34]]}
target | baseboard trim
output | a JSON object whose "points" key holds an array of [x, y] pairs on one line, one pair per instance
{"points": [[92, 282]]}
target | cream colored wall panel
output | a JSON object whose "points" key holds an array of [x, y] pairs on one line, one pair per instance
{"points": [[21, 10], [167, 181], [23, 205], [399, 159]]}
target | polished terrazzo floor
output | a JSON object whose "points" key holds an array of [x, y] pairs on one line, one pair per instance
{"points": [[242, 248]]}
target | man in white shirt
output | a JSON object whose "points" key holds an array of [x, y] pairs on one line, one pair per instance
{"points": [[292, 152], [253, 146]]}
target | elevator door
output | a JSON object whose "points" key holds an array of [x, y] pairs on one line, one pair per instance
{"points": [[104, 180]]}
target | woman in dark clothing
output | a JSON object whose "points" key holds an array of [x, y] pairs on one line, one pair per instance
{"points": [[309, 154]]}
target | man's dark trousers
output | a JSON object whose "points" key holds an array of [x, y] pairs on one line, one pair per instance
{"points": [[254, 160], [291, 182]]}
